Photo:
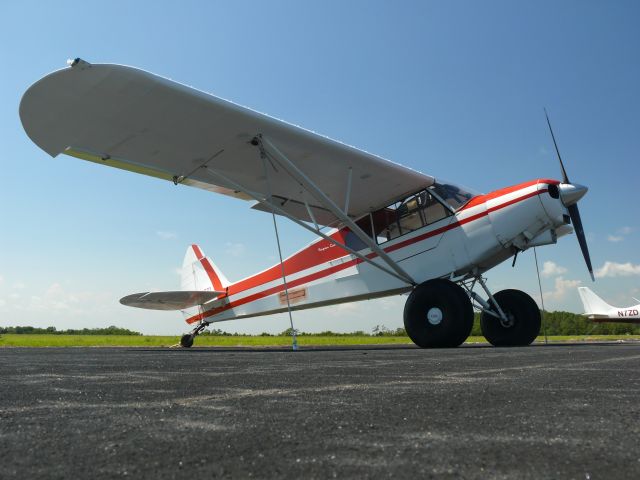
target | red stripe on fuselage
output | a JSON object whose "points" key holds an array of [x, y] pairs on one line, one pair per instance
{"points": [[328, 271], [480, 199], [317, 253]]}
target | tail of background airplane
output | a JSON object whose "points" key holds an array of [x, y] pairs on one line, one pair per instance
{"points": [[200, 273], [593, 304]]}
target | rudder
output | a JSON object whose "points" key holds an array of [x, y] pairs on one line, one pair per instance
{"points": [[592, 303], [200, 273]]}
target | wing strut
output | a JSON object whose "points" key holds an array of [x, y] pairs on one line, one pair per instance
{"points": [[265, 200], [284, 277], [271, 151]]}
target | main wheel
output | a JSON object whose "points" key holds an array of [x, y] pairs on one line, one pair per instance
{"points": [[438, 314], [186, 340], [523, 324]]}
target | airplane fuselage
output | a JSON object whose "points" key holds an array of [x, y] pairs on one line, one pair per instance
{"points": [[478, 236], [618, 315]]}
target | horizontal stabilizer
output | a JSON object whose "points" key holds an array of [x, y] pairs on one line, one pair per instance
{"points": [[179, 300]]}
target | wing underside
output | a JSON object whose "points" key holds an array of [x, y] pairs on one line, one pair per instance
{"points": [[133, 120]]}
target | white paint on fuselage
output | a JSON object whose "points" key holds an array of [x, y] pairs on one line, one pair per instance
{"points": [[478, 237]]}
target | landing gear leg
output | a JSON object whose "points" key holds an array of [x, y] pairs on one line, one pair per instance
{"points": [[186, 341]]}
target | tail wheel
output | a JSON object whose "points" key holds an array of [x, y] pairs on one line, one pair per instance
{"points": [[523, 325], [438, 314], [186, 341]]}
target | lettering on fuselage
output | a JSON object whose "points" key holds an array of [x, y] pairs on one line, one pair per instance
{"points": [[628, 312]]}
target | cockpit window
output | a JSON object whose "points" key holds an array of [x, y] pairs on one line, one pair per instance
{"points": [[454, 195], [406, 216], [410, 214]]}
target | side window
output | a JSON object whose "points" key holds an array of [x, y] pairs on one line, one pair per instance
{"points": [[385, 225], [433, 209], [409, 214], [352, 240], [406, 216]]}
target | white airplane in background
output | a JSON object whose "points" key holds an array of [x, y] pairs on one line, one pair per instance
{"points": [[391, 229], [598, 310]]}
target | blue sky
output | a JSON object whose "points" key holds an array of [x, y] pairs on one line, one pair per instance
{"points": [[454, 89]]}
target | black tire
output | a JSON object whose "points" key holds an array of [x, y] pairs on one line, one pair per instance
{"points": [[524, 314], [186, 340], [455, 317]]}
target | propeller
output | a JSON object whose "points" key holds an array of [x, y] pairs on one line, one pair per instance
{"points": [[570, 194]]}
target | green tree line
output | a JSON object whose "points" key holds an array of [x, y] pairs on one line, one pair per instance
{"points": [[554, 323], [567, 323], [111, 330]]}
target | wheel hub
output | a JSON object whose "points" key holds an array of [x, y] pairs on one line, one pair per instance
{"points": [[434, 316], [510, 320]]}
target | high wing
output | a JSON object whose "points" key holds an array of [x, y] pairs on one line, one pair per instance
{"points": [[127, 118], [178, 300]]}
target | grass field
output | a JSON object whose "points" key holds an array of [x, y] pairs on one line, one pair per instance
{"points": [[10, 340]]}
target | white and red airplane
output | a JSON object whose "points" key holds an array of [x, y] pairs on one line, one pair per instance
{"points": [[391, 229], [598, 310]]}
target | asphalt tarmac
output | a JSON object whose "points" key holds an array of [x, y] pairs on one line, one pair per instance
{"points": [[473, 412]]}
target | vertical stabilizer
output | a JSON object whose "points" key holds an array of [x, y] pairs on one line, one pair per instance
{"points": [[199, 273], [593, 304]]}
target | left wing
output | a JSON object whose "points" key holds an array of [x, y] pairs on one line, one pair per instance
{"points": [[130, 119]]}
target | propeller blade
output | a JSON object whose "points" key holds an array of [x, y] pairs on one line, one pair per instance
{"points": [[577, 226], [565, 178]]}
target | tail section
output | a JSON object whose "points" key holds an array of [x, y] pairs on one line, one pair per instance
{"points": [[202, 282], [593, 304], [200, 273]]}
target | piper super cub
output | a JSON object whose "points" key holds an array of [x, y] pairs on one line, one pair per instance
{"points": [[391, 229]]}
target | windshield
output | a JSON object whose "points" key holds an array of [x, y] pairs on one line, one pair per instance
{"points": [[455, 196]]}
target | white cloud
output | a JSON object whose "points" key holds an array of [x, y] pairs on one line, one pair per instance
{"points": [[562, 286], [235, 249], [391, 303], [348, 307], [621, 234], [552, 269], [18, 285], [613, 269], [342, 309], [166, 235], [55, 299]]}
